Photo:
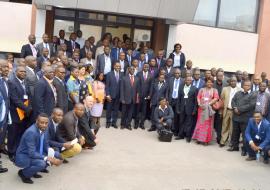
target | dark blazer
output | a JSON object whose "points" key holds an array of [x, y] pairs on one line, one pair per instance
{"points": [[44, 100], [171, 87], [4, 93], [28, 149], [40, 48], [31, 80], [187, 105], [156, 93], [112, 87], [26, 50], [16, 94], [154, 71], [114, 53], [183, 72], [128, 93], [129, 61], [144, 85], [168, 74], [55, 140], [68, 128], [200, 85], [40, 61], [167, 114], [161, 63], [100, 63], [69, 46], [263, 133], [62, 95], [182, 59], [85, 128], [125, 66]]}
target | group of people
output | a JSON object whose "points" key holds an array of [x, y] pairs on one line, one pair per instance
{"points": [[52, 99]]}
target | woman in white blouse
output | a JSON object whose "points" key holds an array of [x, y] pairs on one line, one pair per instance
{"points": [[178, 57]]}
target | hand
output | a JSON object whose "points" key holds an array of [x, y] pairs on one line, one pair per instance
{"points": [[254, 147], [82, 141], [67, 145], [54, 161], [109, 99], [96, 141], [236, 111], [161, 119]]}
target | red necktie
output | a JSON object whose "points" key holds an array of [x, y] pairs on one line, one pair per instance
{"points": [[132, 80]]}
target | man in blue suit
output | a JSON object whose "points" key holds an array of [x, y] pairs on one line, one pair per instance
{"points": [[257, 135], [197, 81], [2, 115], [45, 93], [32, 153]]}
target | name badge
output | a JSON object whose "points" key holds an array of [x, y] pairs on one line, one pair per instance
{"points": [[206, 99], [25, 97], [257, 137], [258, 103]]}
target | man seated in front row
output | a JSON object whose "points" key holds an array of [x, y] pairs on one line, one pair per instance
{"points": [[68, 130], [163, 115], [257, 135], [32, 153], [55, 140]]}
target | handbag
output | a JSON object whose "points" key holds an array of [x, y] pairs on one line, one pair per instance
{"points": [[165, 135], [218, 105]]}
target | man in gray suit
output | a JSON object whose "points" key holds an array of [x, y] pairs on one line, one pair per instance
{"points": [[104, 62], [45, 44], [31, 77]]}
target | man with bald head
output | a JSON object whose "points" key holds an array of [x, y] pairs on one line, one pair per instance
{"points": [[256, 83], [30, 49], [45, 44], [45, 93]]}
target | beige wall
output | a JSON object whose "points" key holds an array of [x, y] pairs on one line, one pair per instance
{"points": [[212, 47], [15, 19]]}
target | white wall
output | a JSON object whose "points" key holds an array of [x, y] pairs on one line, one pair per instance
{"points": [[40, 24], [212, 47]]}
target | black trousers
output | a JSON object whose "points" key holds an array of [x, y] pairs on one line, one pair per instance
{"points": [[176, 124], [238, 128], [218, 126], [185, 125], [252, 153], [127, 112], [141, 111], [15, 132], [153, 107], [3, 133], [112, 111]]}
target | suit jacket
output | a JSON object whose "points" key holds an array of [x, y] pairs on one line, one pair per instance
{"points": [[144, 85], [44, 100], [31, 80], [171, 87], [26, 51], [263, 133], [83, 53], [28, 149], [115, 53], [160, 63], [154, 71], [129, 93], [125, 66], [129, 60], [17, 93], [62, 95], [188, 105], [169, 74], [100, 64], [3, 112], [183, 72], [69, 46], [225, 96], [84, 126], [112, 87], [156, 93], [253, 86], [40, 48], [167, 114], [40, 61], [182, 59], [68, 128], [6, 101], [55, 140], [200, 85]]}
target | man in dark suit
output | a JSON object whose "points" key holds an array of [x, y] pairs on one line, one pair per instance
{"points": [[239, 75], [169, 68], [123, 62], [147, 55], [257, 135], [112, 89], [61, 89], [163, 115], [72, 44], [2, 113], [31, 77], [41, 59], [160, 59], [20, 109], [173, 92], [145, 81], [104, 62], [86, 125], [29, 49], [6, 94], [141, 60], [153, 69], [93, 47], [63, 47], [45, 93], [243, 104], [197, 81], [256, 83], [159, 88], [129, 57], [32, 153], [188, 68], [116, 51], [61, 39], [128, 97], [45, 44], [85, 49], [186, 108]]}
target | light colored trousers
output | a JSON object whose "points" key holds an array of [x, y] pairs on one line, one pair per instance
{"points": [[227, 126]]}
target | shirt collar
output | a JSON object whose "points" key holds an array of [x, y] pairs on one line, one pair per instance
{"points": [[30, 69], [48, 80], [159, 107]]}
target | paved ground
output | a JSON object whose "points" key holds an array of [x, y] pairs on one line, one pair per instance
{"points": [[136, 160]]}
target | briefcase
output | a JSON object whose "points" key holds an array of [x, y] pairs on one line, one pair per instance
{"points": [[165, 135]]}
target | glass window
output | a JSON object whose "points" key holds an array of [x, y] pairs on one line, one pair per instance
{"points": [[91, 16], [238, 15], [206, 13], [143, 22], [119, 19], [68, 26], [91, 30], [64, 13]]}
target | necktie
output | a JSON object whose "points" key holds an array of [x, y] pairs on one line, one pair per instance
{"points": [[132, 80], [46, 46], [144, 76], [196, 83], [175, 88], [159, 85], [41, 143], [5, 84], [73, 45], [117, 76], [260, 101]]}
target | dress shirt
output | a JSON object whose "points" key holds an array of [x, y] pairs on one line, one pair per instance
{"points": [[34, 50], [108, 64], [176, 61], [122, 63], [52, 87], [232, 93], [186, 90], [163, 110], [80, 41], [176, 84], [46, 45], [196, 83]]}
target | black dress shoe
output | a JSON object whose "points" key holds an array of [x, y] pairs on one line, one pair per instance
{"points": [[3, 170], [136, 126], [233, 149], [244, 153], [188, 139], [151, 129], [65, 161], [178, 138], [4, 151], [25, 179], [115, 126], [129, 127], [45, 171], [37, 176], [108, 125], [122, 127], [221, 145], [265, 161], [250, 158], [142, 127]]}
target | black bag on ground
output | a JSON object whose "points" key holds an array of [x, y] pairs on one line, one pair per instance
{"points": [[165, 135]]}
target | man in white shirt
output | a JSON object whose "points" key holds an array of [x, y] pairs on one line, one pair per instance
{"points": [[45, 44], [80, 40]]}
